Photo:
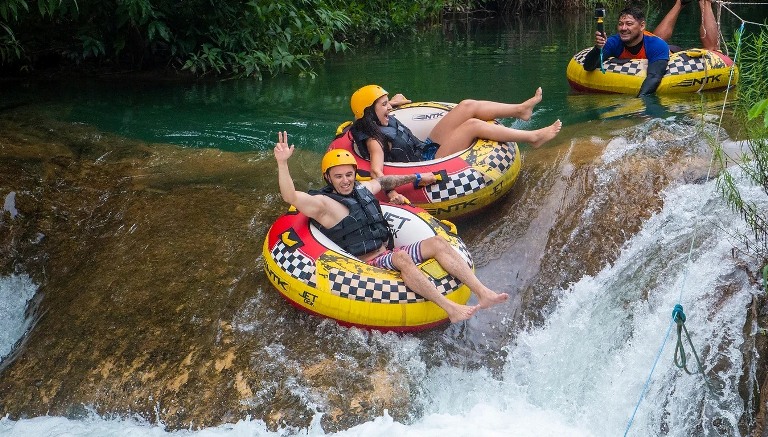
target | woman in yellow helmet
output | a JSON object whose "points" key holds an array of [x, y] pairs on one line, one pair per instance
{"points": [[381, 137]]}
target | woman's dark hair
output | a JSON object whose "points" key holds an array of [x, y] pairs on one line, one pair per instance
{"points": [[368, 124]]}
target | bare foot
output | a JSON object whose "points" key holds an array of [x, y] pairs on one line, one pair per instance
{"points": [[458, 312], [526, 111], [491, 298], [547, 133]]}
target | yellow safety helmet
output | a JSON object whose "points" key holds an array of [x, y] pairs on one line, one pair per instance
{"points": [[364, 97], [335, 157]]}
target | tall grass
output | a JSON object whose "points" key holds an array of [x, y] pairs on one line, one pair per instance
{"points": [[753, 89]]}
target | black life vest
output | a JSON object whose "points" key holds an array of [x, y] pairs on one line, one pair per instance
{"points": [[404, 146], [365, 229]]}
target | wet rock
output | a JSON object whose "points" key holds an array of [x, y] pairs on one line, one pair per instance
{"points": [[139, 273], [573, 208], [152, 298]]}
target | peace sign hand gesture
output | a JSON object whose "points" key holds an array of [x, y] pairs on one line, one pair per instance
{"points": [[282, 150]]}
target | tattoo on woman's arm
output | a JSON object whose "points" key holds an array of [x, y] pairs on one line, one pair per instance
{"points": [[393, 181]]}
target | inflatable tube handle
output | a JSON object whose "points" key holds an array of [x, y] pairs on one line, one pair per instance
{"points": [[342, 127], [451, 227], [363, 175], [694, 53], [441, 175]]}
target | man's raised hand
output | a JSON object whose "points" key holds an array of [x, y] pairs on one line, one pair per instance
{"points": [[282, 150]]}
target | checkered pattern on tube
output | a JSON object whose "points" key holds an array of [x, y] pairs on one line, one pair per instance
{"points": [[631, 67], [582, 55], [501, 159], [680, 63], [460, 184], [295, 264], [463, 249], [353, 286], [684, 64]]}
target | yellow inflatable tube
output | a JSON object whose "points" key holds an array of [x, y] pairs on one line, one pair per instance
{"points": [[688, 71], [469, 180], [317, 276]]}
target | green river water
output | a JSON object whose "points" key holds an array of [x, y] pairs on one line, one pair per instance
{"points": [[494, 59]]}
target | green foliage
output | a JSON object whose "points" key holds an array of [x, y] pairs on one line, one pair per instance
{"points": [[9, 9], [10, 48], [224, 37], [240, 38], [265, 36], [515, 6], [753, 68], [388, 19], [758, 108], [765, 278]]}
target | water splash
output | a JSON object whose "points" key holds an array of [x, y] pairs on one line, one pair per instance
{"points": [[9, 205], [586, 367], [15, 292]]}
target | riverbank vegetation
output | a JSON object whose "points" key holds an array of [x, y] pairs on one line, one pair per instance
{"points": [[225, 38], [752, 109]]}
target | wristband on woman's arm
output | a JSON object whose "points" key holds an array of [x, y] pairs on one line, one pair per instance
{"points": [[417, 181]]}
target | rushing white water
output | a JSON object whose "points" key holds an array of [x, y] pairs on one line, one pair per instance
{"points": [[584, 373], [15, 293], [9, 204]]}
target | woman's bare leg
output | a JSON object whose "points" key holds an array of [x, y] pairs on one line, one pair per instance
{"points": [[463, 136], [467, 121], [485, 110], [667, 26], [709, 32]]}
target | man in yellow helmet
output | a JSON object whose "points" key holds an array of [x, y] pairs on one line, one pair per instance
{"points": [[349, 214]]}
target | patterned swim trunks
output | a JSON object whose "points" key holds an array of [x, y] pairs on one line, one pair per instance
{"points": [[384, 260]]}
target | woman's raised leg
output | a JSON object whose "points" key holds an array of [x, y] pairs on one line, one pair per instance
{"points": [[468, 120], [463, 136], [485, 110]]}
